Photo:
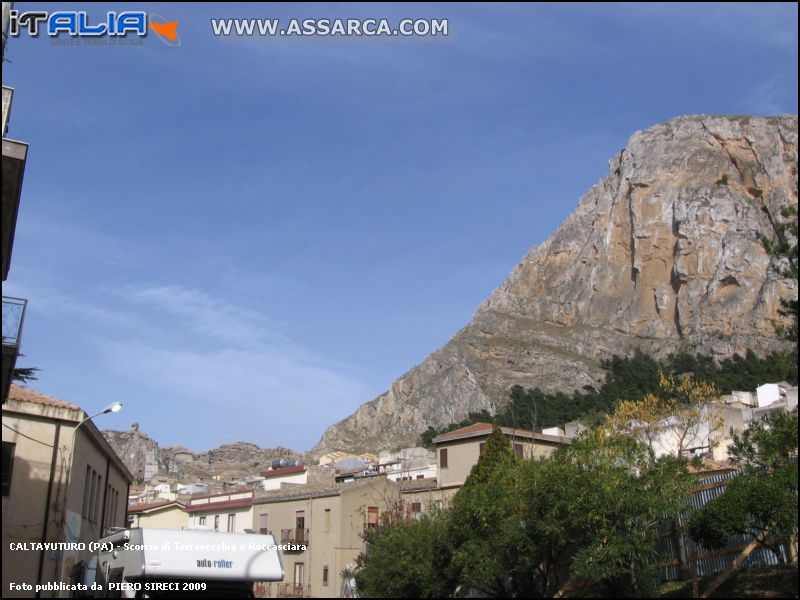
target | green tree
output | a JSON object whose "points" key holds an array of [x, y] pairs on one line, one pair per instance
{"points": [[409, 559], [762, 502], [24, 374], [783, 248], [589, 515], [767, 445], [484, 523], [599, 504]]}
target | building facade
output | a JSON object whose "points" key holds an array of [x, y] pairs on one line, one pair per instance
{"points": [[15, 155], [321, 529], [458, 451], [274, 479], [61, 484], [231, 512], [158, 515]]}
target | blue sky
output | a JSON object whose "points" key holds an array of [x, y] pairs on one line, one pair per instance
{"points": [[246, 238]]}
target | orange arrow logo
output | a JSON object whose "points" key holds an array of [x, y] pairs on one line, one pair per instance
{"points": [[168, 30]]}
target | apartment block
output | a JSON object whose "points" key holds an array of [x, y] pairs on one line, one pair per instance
{"points": [[230, 512], [458, 451], [321, 529], [62, 482]]}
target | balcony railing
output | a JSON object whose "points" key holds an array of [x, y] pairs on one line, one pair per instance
{"points": [[13, 317], [262, 589], [290, 590], [294, 536]]}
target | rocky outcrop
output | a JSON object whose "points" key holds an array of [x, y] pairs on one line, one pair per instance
{"points": [[138, 451], [242, 455], [145, 459], [663, 254]]}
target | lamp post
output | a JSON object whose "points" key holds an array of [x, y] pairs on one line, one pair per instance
{"points": [[64, 526], [111, 408]]}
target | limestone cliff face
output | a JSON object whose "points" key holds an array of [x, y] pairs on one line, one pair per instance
{"points": [[663, 254], [140, 453], [145, 458]]}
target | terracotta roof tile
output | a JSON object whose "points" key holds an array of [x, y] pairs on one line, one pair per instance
{"points": [[477, 427], [137, 508], [419, 484], [296, 492], [21, 394], [283, 471], [480, 429]]}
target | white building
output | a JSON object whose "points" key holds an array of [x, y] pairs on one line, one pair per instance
{"points": [[189, 489], [408, 464], [743, 407], [230, 512], [712, 434], [275, 479]]}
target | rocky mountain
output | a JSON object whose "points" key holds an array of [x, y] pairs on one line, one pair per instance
{"points": [[140, 453], [663, 254], [146, 459]]}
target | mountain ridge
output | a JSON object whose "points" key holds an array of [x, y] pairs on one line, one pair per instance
{"points": [[662, 255], [146, 459]]}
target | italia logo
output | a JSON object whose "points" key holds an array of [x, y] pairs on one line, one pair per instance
{"points": [[79, 24]]}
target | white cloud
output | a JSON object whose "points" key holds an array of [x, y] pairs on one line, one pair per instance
{"points": [[270, 396], [767, 97], [190, 367], [201, 313]]}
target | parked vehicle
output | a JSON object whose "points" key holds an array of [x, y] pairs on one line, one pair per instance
{"points": [[162, 563]]}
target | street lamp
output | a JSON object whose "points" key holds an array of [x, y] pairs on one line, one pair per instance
{"points": [[111, 408]]}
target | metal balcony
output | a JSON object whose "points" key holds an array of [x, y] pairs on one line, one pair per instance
{"points": [[290, 590], [14, 156], [294, 536], [13, 318]]}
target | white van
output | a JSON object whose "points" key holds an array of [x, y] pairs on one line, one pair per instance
{"points": [[162, 563]]}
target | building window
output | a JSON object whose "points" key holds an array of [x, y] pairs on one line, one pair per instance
{"points": [[202, 522], [480, 448], [372, 517], [86, 487], [232, 523], [8, 463], [92, 488], [98, 501], [325, 575], [92, 496], [216, 522], [416, 507], [112, 506], [300, 527], [327, 521], [263, 523], [443, 458], [420, 476], [518, 450], [109, 498]]}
